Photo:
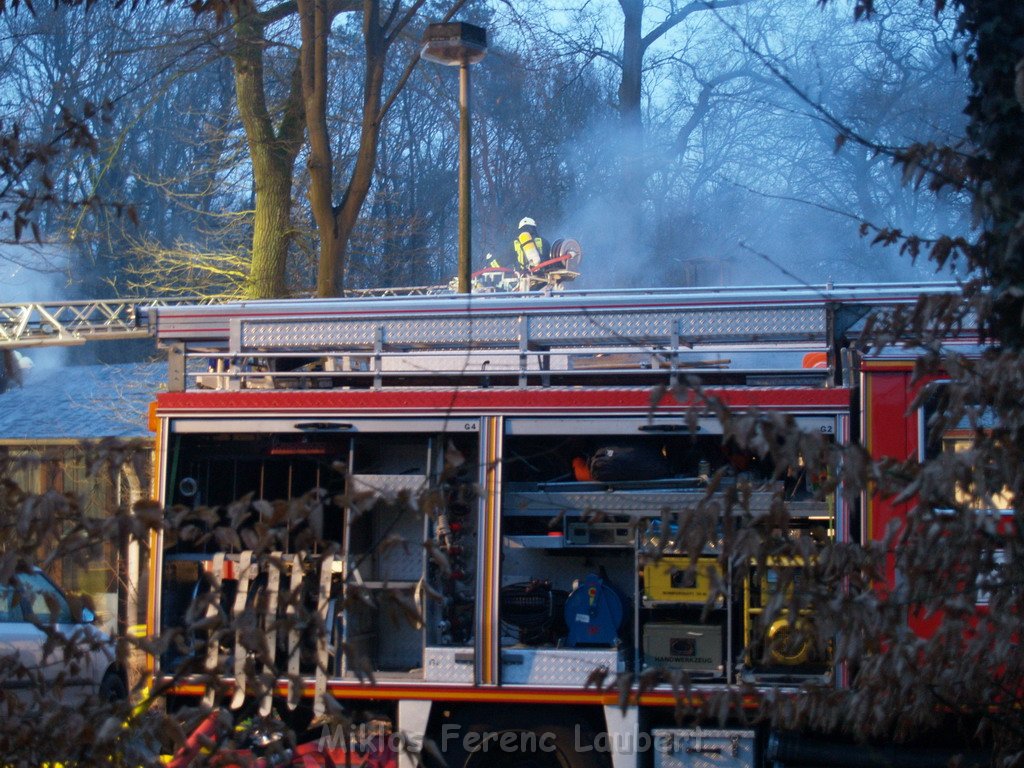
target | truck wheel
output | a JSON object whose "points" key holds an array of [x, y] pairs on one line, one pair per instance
{"points": [[528, 745]]}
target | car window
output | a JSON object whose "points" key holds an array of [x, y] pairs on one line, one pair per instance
{"points": [[43, 599], [9, 608]]}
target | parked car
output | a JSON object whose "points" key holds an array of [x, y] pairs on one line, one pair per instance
{"points": [[34, 614]]}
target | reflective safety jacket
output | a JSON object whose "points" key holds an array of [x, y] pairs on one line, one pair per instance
{"points": [[529, 248]]}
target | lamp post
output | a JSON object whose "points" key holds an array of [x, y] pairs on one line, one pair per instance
{"points": [[459, 44]]}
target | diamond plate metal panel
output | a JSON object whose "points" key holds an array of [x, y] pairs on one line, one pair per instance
{"points": [[400, 557], [636, 503], [468, 331], [772, 323], [705, 325], [448, 665], [299, 334], [389, 486], [607, 326], [610, 502], [326, 335], [557, 666], [382, 638], [702, 748]]}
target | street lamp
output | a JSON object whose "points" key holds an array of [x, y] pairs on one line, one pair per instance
{"points": [[459, 44]]}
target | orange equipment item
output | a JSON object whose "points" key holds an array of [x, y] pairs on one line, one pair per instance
{"points": [[580, 470]]}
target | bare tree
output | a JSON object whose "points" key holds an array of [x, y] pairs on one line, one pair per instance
{"points": [[275, 136], [381, 29]]}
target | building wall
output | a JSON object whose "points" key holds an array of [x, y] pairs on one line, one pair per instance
{"points": [[69, 467]]}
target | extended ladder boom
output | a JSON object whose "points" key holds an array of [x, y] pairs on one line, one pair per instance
{"points": [[67, 323]]}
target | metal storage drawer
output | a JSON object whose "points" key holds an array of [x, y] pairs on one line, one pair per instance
{"points": [[703, 748], [557, 666], [448, 664]]}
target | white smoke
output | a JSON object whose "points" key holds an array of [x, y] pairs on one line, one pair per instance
{"points": [[33, 272]]}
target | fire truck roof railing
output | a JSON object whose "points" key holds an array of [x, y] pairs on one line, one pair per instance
{"points": [[562, 336]]}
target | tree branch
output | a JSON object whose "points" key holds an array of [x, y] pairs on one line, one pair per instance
{"points": [[674, 19], [415, 58]]}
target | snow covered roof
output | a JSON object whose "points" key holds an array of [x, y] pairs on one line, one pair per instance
{"points": [[81, 402]]}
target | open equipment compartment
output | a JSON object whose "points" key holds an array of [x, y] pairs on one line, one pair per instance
{"points": [[645, 533], [362, 482], [410, 488], [382, 547]]}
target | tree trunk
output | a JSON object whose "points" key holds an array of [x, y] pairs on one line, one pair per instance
{"points": [[635, 170], [336, 223], [631, 82], [316, 20], [996, 112], [272, 232], [633, 166], [272, 152]]}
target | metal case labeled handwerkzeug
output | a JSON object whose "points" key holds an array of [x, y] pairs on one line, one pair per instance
{"points": [[692, 647]]}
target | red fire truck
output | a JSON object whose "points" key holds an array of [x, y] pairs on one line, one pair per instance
{"points": [[494, 477]]}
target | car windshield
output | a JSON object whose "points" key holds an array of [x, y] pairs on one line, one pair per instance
{"points": [[9, 608], [43, 599]]}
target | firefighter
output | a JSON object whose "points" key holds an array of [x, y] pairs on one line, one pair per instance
{"points": [[491, 277], [531, 249]]}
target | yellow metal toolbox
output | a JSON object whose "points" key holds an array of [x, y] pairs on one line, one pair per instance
{"points": [[671, 579]]}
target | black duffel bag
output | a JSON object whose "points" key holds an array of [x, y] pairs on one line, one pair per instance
{"points": [[628, 462]]}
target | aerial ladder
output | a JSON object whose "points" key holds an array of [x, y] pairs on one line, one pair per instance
{"points": [[71, 323]]}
